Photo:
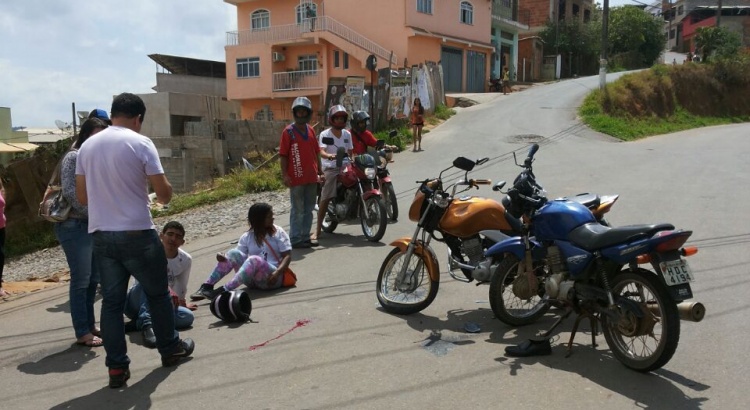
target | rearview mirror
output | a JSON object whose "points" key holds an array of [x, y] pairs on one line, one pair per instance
{"points": [[463, 163]]}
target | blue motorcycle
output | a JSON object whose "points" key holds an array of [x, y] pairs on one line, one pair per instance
{"points": [[565, 258]]}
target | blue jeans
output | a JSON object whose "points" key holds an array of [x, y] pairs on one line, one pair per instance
{"points": [[119, 255], [84, 277], [301, 214], [136, 308]]}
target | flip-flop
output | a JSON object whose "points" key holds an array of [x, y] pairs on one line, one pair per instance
{"points": [[96, 332], [95, 341]]}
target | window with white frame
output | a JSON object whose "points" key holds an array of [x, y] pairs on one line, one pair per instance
{"points": [[467, 13], [424, 6], [301, 11], [307, 62], [248, 67], [260, 20]]}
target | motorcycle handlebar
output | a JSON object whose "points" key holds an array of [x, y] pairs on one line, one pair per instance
{"points": [[480, 182], [530, 157]]}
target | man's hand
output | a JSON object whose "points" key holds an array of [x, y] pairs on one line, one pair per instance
{"points": [[191, 306]]}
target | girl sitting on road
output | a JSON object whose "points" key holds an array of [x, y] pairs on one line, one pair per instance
{"points": [[262, 255]]}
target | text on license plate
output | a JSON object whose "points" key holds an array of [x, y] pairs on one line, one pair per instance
{"points": [[676, 272]]}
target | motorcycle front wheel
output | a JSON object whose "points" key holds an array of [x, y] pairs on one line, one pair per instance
{"points": [[330, 222], [391, 204], [642, 340], [413, 295], [506, 304], [373, 226]]}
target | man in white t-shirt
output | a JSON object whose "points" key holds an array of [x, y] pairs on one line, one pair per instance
{"points": [[179, 264], [113, 173]]}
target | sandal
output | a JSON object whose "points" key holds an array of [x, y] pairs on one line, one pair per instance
{"points": [[96, 332], [94, 341]]}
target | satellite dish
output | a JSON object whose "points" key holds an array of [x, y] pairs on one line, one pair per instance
{"points": [[82, 116], [62, 125]]}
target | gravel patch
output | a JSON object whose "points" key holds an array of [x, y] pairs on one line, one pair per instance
{"points": [[206, 221]]}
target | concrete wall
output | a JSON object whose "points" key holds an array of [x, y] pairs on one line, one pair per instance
{"points": [[190, 84], [199, 156]]}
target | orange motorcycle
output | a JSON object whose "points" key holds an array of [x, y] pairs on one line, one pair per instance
{"points": [[410, 275]]}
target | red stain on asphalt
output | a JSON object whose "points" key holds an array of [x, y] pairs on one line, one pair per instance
{"points": [[300, 323]]}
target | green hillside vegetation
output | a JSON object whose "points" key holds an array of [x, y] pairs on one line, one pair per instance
{"points": [[670, 98]]}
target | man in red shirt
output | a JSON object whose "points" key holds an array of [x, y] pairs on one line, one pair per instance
{"points": [[301, 170], [361, 136]]}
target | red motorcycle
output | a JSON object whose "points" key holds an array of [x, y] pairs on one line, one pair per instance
{"points": [[357, 196], [384, 183]]}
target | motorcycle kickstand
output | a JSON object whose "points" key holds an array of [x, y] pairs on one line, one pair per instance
{"points": [[594, 330], [564, 316]]}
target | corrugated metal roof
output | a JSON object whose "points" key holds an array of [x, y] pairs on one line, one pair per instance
{"points": [[191, 66], [17, 147]]}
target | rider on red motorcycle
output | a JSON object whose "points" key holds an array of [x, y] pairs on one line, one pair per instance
{"points": [[337, 117], [361, 136]]}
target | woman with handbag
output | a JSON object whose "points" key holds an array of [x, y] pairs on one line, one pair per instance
{"points": [[260, 260], [72, 233]]}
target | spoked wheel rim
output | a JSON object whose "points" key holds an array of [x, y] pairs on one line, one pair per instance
{"points": [[418, 286], [373, 224], [516, 306], [646, 335]]}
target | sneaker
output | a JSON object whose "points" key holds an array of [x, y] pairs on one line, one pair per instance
{"points": [[301, 245], [130, 326], [184, 349], [203, 292], [214, 293], [149, 338], [118, 377]]}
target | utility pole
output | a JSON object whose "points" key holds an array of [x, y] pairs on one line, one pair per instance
{"points": [[718, 15], [603, 54]]}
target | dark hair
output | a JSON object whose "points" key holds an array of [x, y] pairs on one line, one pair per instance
{"points": [[128, 105], [421, 108], [173, 225], [87, 128], [256, 217]]}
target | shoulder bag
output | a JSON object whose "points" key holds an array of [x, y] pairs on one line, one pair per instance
{"points": [[54, 207]]}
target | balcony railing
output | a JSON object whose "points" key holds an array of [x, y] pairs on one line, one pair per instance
{"points": [[297, 80], [290, 32]]}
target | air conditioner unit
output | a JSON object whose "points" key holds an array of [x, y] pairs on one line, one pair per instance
{"points": [[276, 57]]}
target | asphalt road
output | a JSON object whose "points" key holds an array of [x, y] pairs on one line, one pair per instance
{"points": [[326, 343]]}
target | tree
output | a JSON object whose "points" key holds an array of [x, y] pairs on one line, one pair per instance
{"points": [[575, 40], [635, 32], [717, 42]]}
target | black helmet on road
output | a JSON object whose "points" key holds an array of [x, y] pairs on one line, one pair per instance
{"points": [[232, 306]]}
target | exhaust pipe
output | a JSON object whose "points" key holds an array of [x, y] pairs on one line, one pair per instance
{"points": [[689, 311]]}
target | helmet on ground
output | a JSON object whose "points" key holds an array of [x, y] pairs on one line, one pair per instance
{"points": [[232, 306], [337, 111], [358, 117], [302, 103]]}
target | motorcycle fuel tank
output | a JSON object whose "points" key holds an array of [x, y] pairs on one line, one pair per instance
{"points": [[468, 215], [556, 219]]}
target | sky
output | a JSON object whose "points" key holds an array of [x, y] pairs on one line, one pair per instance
{"points": [[57, 52]]}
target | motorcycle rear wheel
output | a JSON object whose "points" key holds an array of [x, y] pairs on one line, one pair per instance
{"points": [[508, 307], [647, 343], [391, 204], [374, 226], [330, 222], [415, 295]]}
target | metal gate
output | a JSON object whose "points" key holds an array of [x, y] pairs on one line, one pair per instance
{"points": [[475, 72], [452, 61]]}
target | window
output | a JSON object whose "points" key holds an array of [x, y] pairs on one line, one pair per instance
{"points": [[301, 11], [424, 6], [307, 63], [248, 67], [467, 13], [346, 61], [336, 59], [260, 20]]}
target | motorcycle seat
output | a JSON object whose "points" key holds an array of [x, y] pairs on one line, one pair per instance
{"points": [[586, 199], [593, 236]]}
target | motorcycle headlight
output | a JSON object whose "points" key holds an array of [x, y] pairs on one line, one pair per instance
{"points": [[370, 173]]}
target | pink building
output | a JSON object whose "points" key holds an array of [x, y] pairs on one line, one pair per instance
{"points": [[280, 51]]}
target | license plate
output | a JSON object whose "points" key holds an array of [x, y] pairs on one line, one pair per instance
{"points": [[676, 272]]}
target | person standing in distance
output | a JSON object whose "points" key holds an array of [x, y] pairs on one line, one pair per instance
{"points": [[301, 170], [113, 173]]}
